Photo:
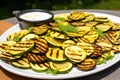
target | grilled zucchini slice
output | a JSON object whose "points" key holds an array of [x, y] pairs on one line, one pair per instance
{"points": [[20, 34], [58, 35], [97, 51], [90, 37], [56, 54], [116, 48], [103, 27], [108, 55], [29, 37], [41, 45], [115, 26], [55, 29], [78, 40], [75, 15], [8, 57], [36, 58], [105, 44], [77, 23], [40, 29], [75, 53], [99, 60], [4, 46], [91, 23], [21, 47], [87, 64], [70, 34], [101, 19], [54, 41], [82, 30], [21, 63], [89, 49], [113, 36], [67, 43], [63, 67], [89, 17], [39, 67]]}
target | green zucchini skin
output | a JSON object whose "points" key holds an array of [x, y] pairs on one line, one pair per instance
{"points": [[39, 67], [56, 55], [21, 48], [68, 64], [21, 63]]}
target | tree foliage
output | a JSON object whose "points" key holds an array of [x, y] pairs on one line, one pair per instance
{"points": [[7, 6]]}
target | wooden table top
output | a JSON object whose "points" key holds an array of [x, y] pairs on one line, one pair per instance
{"points": [[112, 73]]}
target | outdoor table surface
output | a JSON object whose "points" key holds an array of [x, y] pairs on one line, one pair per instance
{"points": [[112, 73]]}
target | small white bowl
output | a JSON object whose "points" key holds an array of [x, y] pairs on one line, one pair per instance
{"points": [[33, 17]]}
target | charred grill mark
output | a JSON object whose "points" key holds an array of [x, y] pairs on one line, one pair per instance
{"points": [[57, 54], [25, 60], [41, 58], [110, 37], [30, 57], [97, 51], [46, 64], [15, 50], [39, 50], [59, 34], [41, 45], [6, 54], [36, 50], [20, 62], [43, 48], [36, 58], [24, 43], [75, 59], [41, 40], [21, 46], [51, 52], [3, 47]]}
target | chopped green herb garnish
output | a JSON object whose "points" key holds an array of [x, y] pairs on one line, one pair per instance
{"points": [[67, 28], [54, 72], [16, 38], [104, 61], [48, 71], [110, 57], [30, 29], [101, 34]]}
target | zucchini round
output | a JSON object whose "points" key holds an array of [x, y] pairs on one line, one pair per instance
{"points": [[4, 46], [29, 36], [21, 63], [39, 67], [103, 27], [75, 53], [20, 34], [67, 43], [89, 49], [21, 47], [53, 41], [58, 35], [87, 64], [63, 67], [56, 54]]}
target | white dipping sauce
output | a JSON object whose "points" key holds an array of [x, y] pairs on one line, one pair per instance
{"points": [[35, 16]]}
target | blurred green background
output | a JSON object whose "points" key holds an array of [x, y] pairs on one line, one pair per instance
{"points": [[7, 6]]}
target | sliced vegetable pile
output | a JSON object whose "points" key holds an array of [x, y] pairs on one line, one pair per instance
{"points": [[78, 39]]}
